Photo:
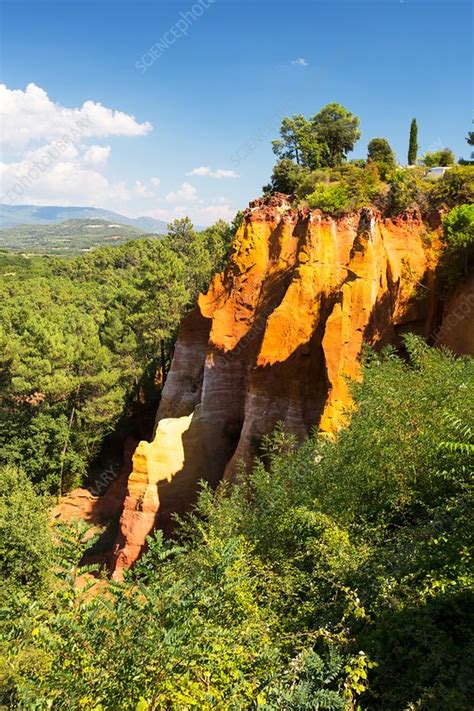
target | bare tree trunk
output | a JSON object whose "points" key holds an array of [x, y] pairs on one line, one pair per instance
{"points": [[66, 444]]}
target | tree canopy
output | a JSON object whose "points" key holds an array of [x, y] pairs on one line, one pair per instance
{"points": [[84, 340], [443, 157], [323, 140], [380, 151]]}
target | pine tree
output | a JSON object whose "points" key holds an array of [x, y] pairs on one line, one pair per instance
{"points": [[413, 147]]}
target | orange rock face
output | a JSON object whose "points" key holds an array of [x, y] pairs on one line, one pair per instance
{"points": [[101, 501], [457, 327], [276, 338]]}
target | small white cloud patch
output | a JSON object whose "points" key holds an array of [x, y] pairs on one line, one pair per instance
{"points": [[300, 62], [185, 193], [204, 171]]}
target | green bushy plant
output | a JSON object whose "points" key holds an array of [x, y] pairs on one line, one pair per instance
{"points": [[406, 190], [443, 157], [458, 256], [456, 187], [25, 540], [332, 198], [458, 227]]}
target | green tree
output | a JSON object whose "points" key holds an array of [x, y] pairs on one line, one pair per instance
{"points": [[470, 141], [324, 140], [298, 142], [413, 145], [380, 152], [181, 236], [286, 177], [289, 145], [336, 130], [443, 157]]}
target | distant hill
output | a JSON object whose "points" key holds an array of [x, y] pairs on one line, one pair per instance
{"points": [[67, 238], [11, 215]]}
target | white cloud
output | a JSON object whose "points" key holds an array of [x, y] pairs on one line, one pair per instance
{"points": [[97, 155], [31, 115], [141, 190], [185, 193], [204, 171], [48, 159], [300, 62], [55, 155], [65, 182]]}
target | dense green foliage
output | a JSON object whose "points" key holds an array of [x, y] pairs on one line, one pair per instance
{"points": [[313, 167], [413, 143], [322, 141], [392, 190], [458, 257], [443, 157], [25, 543], [83, 340], [380, 152], [335, 575], [347, 189], [459, 227]]}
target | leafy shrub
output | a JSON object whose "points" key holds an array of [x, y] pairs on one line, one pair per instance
{"points": [[286, 177], [25, 541], [443, 157], [406, 191], [332, 199], [459, 227], [355, 188], [456, 187]]}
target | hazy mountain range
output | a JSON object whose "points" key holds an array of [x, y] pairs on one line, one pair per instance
{"points": [[13, 215]]}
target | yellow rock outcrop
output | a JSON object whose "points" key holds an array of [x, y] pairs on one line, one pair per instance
{"points": [[276, 338]]}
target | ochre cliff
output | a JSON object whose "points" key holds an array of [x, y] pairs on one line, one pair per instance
{"points": [[457, 327], [276, 338]]}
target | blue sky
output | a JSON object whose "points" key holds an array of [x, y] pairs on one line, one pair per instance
{"points": [[213, 99]]}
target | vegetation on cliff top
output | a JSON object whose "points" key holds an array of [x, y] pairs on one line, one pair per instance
{"points": [[313, 166]]}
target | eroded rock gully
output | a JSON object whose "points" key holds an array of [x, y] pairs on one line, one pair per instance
{"points": [[275, 339]]}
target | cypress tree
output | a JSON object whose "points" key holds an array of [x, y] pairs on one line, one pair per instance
{"points": [[413, 147]]}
